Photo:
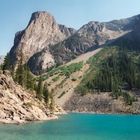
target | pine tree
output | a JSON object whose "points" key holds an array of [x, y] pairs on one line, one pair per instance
{"points": [[6, 64], [52, 103], [46, 94], [40, 88], [29, 79], [115, 86], [20, 71]]}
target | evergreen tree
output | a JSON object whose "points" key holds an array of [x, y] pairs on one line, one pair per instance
{"points": [[115, 86], [6, 63], [46, 94], [52, 103], [20, 77], [29, 79], [40, 88]]}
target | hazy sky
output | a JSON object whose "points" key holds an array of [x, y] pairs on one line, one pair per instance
{"points": [[15, 14]]}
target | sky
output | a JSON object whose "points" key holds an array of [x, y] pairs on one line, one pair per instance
{"points": [[15, 14]]}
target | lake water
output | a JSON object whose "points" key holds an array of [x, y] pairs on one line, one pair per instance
{"points": [[77, 127]]}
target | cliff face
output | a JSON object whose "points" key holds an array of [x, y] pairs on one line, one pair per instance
{"points": [[41, 32], [18, 105], [44, 43]]}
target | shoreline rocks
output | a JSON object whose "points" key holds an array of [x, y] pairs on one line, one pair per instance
{"points": [[18, 105]]}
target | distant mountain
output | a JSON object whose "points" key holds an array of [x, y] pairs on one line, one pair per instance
{"points": [[130, 40], [44, 43], [94, 35]]}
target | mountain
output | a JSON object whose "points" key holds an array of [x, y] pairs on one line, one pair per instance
{"points": [[41, 33], [88, 37], [80, 72], [92, 36], [1, 59], [130, 40], [44, 43]]}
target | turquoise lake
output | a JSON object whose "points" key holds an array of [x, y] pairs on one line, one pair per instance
{"points": [[77, 127]]}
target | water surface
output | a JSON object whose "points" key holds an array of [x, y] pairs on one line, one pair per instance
{"points": [[77, 127]]}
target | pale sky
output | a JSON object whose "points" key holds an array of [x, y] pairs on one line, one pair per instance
{"points": [[15, 14]]}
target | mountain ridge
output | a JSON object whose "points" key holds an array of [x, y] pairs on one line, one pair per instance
{"points": [[43, 51]]}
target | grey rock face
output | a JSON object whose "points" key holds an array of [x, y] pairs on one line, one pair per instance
{"points": [[43, 60], [67, 31], [41, 32]]}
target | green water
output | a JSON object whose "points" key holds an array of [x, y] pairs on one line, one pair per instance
{"points": [[77, 127]]}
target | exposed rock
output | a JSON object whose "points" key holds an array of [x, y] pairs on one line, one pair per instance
{"points": [[41, 61], [67, 31], [131, 39], [1, 59], [90, 37], [18, 105], [41, 32]]}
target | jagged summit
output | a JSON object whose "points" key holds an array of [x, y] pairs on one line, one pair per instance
{"points": [[41, 15], [41, 32]]}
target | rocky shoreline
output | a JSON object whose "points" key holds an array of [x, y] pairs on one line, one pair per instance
{"points": [[3, 121], [18, 105]]}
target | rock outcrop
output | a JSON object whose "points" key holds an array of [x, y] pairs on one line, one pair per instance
{"points": [[41, 32], [91, 36], [18, 105], [130, 40]]}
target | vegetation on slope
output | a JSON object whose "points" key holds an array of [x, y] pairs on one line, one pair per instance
{"points": [[113, 70], [64, 70]]}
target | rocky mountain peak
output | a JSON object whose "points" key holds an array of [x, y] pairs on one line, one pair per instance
{"points": [[42, 18], [41, 32], [92, 26], [40, 14]]}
